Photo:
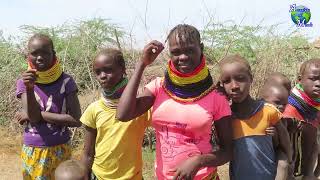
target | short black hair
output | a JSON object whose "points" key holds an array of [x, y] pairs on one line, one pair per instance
{"points": [[42, 37], [277, 77], [190, 33], [307, 64], [269, 87], [115, 54], [236, 58]]}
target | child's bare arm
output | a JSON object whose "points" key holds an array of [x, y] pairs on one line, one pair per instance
{"points": [[28, 99], [130, 106], [31, 107], [71, 119], [60, 119], [284, 140], [89, 149]]}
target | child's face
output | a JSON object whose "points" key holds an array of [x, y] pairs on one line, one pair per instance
{"points": [[41, 54], [107, 71], [236, 81], [310, 81], [185, 55], [277, 98]]}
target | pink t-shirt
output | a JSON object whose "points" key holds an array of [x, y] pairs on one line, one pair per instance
{"points": [[183, 129]]}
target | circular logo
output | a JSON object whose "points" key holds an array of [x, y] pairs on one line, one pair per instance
{"points": [[301, 15]]}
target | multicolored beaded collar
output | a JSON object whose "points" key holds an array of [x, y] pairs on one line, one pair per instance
{"points": [[188, 87]]}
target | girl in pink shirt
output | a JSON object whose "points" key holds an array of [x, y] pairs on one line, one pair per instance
{"points": [[187, 109]]}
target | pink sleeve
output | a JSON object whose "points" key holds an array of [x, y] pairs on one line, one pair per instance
{"points": [[222, 107], [154, 86]]}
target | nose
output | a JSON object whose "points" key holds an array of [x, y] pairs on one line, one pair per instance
{"points": [[317, 83], [183, 57], [103, 75], [39, 58], [234, 85]]}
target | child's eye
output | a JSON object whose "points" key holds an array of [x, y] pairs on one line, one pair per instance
{"points": [[97, 72], [226, 81], [241, 78], [277, 103], [175, 53], [313, 78], [189, 51], [107, 70]]}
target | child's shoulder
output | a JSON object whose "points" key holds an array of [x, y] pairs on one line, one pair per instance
{"points": [[271, 108], [273, 114], [67, 76], [95, 104]]}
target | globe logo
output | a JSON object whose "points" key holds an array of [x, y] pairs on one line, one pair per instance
{"points": [[300, 15]]}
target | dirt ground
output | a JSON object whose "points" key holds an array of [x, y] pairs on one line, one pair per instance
{"points": [[10, 164], [10, 167]]}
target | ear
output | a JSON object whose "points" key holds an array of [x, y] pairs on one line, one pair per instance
{"points": [[201, 47], [124, 73], [299, 78]]}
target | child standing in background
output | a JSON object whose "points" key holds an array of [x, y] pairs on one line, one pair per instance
{"points": [[49, 105], [253, 155], [112, 149], [304, 105], [276, 94]]}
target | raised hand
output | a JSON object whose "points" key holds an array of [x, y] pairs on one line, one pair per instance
{"points": [[151, 52], [29, 78]]}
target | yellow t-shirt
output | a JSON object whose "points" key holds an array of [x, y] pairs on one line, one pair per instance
{"points": [[118, 147], [268, 116]]}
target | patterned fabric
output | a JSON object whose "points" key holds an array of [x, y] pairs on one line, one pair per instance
{"points": [[306, 106], [116, 91], [188, 87], [40, 163], [48, 76], [184, 129], [51, 98]]}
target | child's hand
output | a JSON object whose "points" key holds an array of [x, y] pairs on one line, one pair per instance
{"points": [[188, 169], [151, 52], [21, 117], [29, 78], [272, 131]]}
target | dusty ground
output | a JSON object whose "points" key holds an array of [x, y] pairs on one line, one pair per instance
{"points": [[10, 164]]}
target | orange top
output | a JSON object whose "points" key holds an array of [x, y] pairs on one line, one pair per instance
{"points": [[256, 125]]}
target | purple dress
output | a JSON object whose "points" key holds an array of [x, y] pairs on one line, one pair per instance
{"points": [[51, 98]]}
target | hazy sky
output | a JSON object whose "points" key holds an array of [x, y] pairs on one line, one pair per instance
{"points": [[152, 19]]}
